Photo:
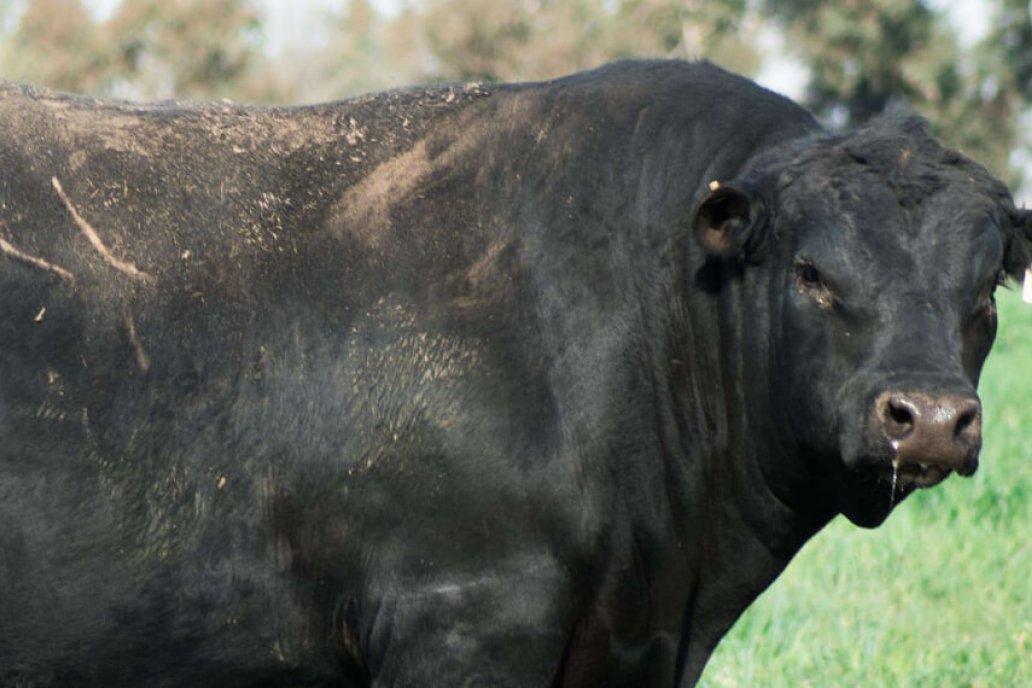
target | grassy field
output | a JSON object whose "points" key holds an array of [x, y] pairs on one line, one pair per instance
{"points": [[939, 596]]}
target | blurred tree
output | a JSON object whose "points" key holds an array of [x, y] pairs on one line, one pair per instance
{"points": [[858, 51], [191, 48], [723, 31], [147, 49], [1007, 50], [1004, 81], [865, 55], [349, 52], [497, 40], [535, 39], [56, 43]]}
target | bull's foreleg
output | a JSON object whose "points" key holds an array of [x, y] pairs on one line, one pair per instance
{"points": [[479, 630]]}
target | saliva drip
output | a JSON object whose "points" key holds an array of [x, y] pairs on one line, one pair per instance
{"points": [[895, 470]]}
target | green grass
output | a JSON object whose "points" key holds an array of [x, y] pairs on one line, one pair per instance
{"points": [[939, 596]]}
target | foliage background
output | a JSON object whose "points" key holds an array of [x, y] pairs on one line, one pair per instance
{"points": [[939, 596]]}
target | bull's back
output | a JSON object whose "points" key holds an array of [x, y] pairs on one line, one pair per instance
{"points": [[232, 355]]}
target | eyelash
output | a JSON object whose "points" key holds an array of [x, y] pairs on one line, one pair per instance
{"points": [[988, 302]]}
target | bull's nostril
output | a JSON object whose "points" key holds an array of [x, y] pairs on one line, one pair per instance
{"points": [[899, 418], [901, 415], [969, 425]]}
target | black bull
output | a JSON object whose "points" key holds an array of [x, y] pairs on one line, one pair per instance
{"points": [[516, 385]]}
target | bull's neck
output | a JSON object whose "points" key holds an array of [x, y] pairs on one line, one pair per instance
{"points": [[747, 523], [763, 475], [742, 461]]}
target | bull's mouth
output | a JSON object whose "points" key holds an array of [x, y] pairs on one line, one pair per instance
{"points": [[876, 489], [907, 477], [878, 482]]}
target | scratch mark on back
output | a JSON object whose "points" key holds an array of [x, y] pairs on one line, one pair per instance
{"points": [[94, 238], [10, 250], [142, 359]]}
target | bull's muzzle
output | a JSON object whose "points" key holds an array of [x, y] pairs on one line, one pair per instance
{"points": [[930, 434]]}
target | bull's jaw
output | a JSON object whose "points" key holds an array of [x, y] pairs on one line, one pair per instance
{"points": [[876, 484], [869, 492]]}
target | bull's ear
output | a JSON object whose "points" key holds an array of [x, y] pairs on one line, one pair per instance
{"points": [[729, 219], [1019, 249]]}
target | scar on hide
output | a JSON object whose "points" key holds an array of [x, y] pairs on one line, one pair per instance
{"points": [[8, 249], [142, 359], [94, 238], [365, 208]]}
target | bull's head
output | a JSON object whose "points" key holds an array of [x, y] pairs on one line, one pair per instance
{"points": [[881, 250]]}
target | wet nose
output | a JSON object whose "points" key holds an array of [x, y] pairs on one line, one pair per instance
{"points": [[943, 430]]}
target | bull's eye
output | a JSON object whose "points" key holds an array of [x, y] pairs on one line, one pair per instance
{"points": [[808, 274], [809, 281]]}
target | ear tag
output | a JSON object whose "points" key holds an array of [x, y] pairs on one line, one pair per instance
{"points": [[1026, 293], [714, 185]]}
